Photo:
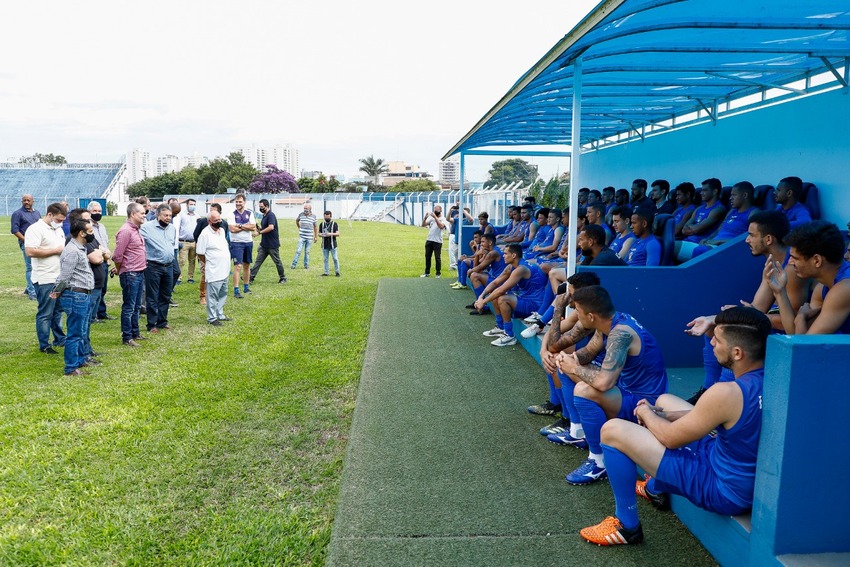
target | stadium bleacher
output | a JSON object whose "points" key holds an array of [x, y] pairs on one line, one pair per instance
{"points": [[70, 183]]}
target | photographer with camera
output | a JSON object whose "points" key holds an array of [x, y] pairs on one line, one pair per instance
{"points": [[434, 242]]}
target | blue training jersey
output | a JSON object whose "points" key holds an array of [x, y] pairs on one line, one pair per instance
{"points": [[533, 287], [843, 274], [797, 215], [680, 212], [645, 252], [619, 240], [700, 215], [736, 223], [733, 454], [496, 268], [643, 374]]}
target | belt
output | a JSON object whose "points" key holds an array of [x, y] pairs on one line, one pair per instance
{"points": [[80, 290], [159, 263], [187, 241]]}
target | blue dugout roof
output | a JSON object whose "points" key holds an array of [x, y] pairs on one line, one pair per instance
{"points": [[643, 64]]}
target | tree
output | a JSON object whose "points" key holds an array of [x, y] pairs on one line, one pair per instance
{"points": [[111, 207], [554, 194], [412, 185], [373, 167], [510, 170], [157, 187], [307, 184], [222, 174], [273, 180], [45, 159]]}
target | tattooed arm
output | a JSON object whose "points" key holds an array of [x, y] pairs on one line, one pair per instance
{"points": [[560, 340], [605, 378]]}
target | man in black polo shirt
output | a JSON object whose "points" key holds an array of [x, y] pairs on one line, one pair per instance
{"points": [[269, 242], [591, 240]]}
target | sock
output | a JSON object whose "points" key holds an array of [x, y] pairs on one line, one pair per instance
{"points": [[547, 315], [499, 321], [576, 430], [554, 393], [592, 419], [709, 362], [509, 327], [245, 287], [599, 459], [548, 298], [622, 473], [478, 291], [567, 389], [236, 289], [650, 485], [462, 268]]}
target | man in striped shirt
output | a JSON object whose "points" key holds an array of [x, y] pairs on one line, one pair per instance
{"points": [[308, 233]]}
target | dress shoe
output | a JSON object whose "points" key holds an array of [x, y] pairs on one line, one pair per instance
{"points": [[75, 372], [140, 338], [107, 318], [131, 343], [153, 330], [49, 350], [167, 327]]}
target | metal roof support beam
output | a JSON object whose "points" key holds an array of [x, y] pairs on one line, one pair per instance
{"points": [[756, 83], [712, 112], [835, 72], [636, 131], [575, 164]]}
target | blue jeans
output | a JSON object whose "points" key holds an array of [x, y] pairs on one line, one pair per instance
{"points": [[78, 307], [303, 244], [28, 270], [48, 318], [159, 280], [332, 252], [93, 305], [132, 285]]}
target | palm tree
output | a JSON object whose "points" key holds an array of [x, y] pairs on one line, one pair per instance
{"points": [[373, 167]]}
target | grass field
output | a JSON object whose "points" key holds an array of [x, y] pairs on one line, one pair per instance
{"points": [[205, 446]]}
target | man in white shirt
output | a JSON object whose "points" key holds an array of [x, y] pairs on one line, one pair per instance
{"points": [[214, 252], [44, 242], [186, 230]]}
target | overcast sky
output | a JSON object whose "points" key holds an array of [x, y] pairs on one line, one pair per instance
{"points": [[339, 80]]}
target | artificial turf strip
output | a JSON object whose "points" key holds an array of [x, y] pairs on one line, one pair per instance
{"points": [[444, 464]]}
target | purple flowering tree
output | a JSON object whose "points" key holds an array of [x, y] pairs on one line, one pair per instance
{"points": [[273, 180]]}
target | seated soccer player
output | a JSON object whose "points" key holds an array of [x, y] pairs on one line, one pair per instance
{"points": [[536, 236], [552, 239], [621, 199], [817, 250], [608, 201], [705, 218], [639, 198], [622, 223], [490, 266], [684, 206], [741, 208], [633, 369], [561, 339], [766, 234], [511, 228], [596, 215], [787, 196], [559, 256], [591, 240], [658, 193], [646, 250], [466, 262], [675, 447], [518, 289], [523, 218], [484, 223], [594, 196]]}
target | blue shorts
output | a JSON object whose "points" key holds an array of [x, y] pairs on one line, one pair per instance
{"points": [[687, 472], [241, 252], [630, 402], [525, 307]]}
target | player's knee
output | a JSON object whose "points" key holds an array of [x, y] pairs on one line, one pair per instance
{"points": [[584, 391]]}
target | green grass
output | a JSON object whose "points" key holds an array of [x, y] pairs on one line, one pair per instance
{"points": [[205, 446]]}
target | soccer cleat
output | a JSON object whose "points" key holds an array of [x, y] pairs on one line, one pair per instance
{"points": [[564, 438], [533, 318], [697, 395], [531, 331], [587, 473], [546, 408], [470, 306], [246, 289], [504, 340], [494, 332], [560, 426], [611, 532], [660, 501], [237, 295]]}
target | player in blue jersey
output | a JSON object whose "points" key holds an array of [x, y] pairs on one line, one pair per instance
{"points": [[519, 289], [817, 252], [684, 206], [646, 249], [705, 218], [622, 223], [787, 196], [490, 266], [741, 208], [675, 447], [633, 369]]}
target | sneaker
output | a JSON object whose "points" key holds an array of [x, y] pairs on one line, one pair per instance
{"points": [[337, 274], [191, 280], [560, 426], [587, 473], [225, 318], [494, 332], [531, 331], [470, 306], [438, 276], [564, 438], [215, 323], [611, 532], [238, 295], [533, 318], [173, 304], [292, 267], [660, 501], [697, 395], [425, 276], [131, 343], [325, 274], [281, 280], [246, 289], [546, 408], [504, 340]]}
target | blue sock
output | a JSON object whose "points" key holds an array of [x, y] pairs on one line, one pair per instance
{"points": [[548, 298], [568, 400], [547, 315], [499, 321], [622, 473], [592, 419], [554, 393], [478, 290], [236, 289], [709, 362], [245, 287], [462, 268], [508, 326], [650, 486]]}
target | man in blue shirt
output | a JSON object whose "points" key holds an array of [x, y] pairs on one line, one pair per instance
{"points": [[159, 236], [787, 196], [646, 250], [21, 221], [671, 439]]}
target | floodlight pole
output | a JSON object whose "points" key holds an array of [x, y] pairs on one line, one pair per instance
{"points": [[575, 159]]}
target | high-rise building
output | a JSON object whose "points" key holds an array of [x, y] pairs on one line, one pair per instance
{"points": [[285, 157], [449, 172], [168, 164], [139, 166], [196, 160]]}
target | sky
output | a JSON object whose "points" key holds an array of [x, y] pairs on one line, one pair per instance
{"points": [[92, 79]]}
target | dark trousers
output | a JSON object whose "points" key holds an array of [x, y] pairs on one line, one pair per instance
{"points": [[435, 248], [101, 304], [159, 279], [176, 272], [262, 253], [132, 285]]}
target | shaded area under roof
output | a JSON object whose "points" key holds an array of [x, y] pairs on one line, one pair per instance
{"points": [[646, 62]]}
